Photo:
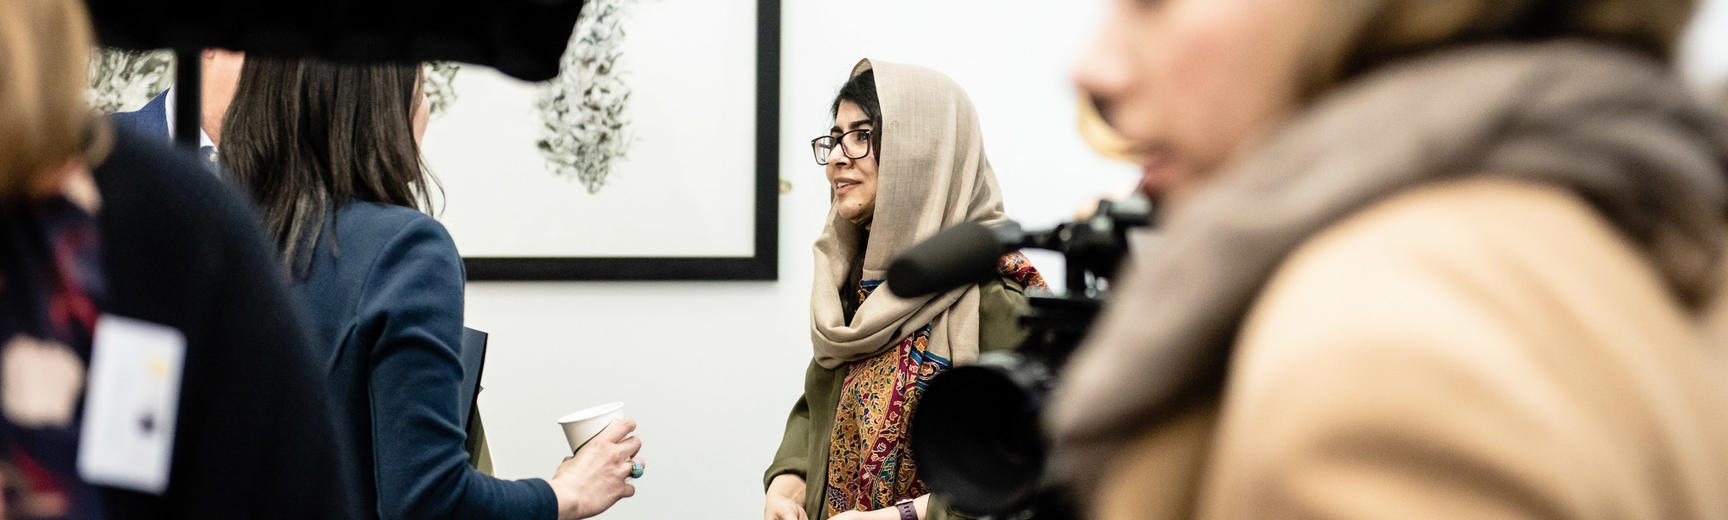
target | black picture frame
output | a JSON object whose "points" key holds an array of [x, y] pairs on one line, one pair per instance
{"points": [[763, 265]]}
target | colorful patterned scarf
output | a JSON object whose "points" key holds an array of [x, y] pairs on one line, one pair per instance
{"points": [[870, 464], [49, 281]]}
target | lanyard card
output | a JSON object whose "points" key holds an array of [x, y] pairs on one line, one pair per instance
{"points": [[131, 405]]}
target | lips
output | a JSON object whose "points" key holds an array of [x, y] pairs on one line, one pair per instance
{"points": [[841, 186], [1155, 172]]}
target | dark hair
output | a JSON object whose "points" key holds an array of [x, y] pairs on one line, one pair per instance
{"points": [[861, 90], [306, 137]]}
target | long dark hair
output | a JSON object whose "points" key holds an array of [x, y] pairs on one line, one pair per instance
{"points": [[861, 91], [305, 137]]}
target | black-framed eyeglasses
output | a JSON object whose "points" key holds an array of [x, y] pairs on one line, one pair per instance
{"points": [[854, 144]]}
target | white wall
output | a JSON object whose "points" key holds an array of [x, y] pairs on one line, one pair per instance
{"points": [[1705, 53], [710, 369]]}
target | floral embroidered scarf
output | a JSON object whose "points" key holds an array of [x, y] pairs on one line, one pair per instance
{"points": [[870, 464]]}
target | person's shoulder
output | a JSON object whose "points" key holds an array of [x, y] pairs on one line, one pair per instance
{"points": [[386, 221], [1474, 211], [1443, 270], [401, 254], [151, 119], [1426, 331], [393, 231], [166, 220], [387, 218], [144, 177], [1465, 231]]}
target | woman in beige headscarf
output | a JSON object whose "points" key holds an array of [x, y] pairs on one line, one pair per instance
{"points": [[904, 159], [1421, 259]]}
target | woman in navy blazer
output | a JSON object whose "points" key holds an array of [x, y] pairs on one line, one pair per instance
{"points": [[330, 152]]}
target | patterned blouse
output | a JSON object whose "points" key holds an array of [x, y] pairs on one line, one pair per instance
{"points": [[49, 283]]}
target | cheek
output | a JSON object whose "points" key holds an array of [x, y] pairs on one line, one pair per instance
{"points": [[421, 117], [1231, 73], [867, 171], [872, 182]]}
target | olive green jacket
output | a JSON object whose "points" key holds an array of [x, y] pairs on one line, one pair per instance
{"points": [[804, 448]]}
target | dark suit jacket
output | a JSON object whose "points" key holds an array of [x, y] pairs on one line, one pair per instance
{"points": [[152, 119], [255, 433], [386, 313]]}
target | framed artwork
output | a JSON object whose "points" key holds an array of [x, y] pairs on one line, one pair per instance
{"points": [[124, 80], [652, 156]]}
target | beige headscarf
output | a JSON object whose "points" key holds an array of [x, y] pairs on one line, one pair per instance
{"points": [[931, 174]]}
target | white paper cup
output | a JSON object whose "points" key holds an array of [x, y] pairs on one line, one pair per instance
{"points": [[583, 426]]}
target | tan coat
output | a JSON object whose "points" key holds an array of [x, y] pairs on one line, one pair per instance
{"points": [[1477, 349]]}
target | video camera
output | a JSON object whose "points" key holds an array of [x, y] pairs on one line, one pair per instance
{"points": [[977, 431]]}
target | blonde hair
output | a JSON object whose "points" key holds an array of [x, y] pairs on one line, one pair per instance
{"points": [[1361, 35], [44, 65]]}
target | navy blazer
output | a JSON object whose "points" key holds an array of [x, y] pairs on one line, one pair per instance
{"points": [[150, 120], [385, 301]]}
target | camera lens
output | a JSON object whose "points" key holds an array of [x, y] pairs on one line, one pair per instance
{"points": [[977, 435]]}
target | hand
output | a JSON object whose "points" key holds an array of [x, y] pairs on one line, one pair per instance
{"points": [[785, 499], [590, 482]]}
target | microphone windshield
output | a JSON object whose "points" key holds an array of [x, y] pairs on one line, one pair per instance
{"points": [[960, 255]]}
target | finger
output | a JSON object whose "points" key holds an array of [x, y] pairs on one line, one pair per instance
{"points": [[630, 447], [618, 430], [629, 491]]}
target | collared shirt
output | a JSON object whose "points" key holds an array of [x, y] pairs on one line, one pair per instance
{"points": [[203, 138]]}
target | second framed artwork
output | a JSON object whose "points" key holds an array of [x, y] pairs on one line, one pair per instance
{"points": [[651, 157]]}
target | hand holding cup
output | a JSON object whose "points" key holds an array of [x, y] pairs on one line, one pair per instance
{"points": [[596, 477]]}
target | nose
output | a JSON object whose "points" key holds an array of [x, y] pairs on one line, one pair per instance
{"points": [[837, 156], [1100, 72]]}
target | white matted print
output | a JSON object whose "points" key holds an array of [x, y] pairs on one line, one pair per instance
{"points": [[643, 160]]}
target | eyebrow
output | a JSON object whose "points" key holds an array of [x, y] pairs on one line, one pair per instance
{"points": [[852, 126]]}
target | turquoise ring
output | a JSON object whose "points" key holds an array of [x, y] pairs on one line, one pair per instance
{"points": [[635, 469]]}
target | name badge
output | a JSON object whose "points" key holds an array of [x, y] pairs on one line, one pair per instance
{"points": [[131, 404]]}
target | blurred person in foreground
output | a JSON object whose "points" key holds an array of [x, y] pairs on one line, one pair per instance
{"points": [[99, 227], [1421, 259]]}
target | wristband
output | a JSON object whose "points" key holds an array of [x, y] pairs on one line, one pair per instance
{"points": [[908, 510]]}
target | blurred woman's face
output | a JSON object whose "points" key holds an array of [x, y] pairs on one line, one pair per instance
{"points": [[853, 181], [1188, 82]]}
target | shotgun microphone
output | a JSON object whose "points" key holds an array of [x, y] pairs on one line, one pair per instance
{"points": [[964, 254]]}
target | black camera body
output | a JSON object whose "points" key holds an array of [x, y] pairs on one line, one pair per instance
{"points": [[977, 431]]}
